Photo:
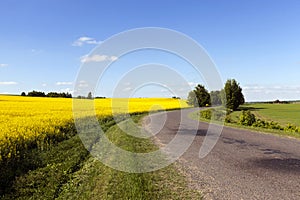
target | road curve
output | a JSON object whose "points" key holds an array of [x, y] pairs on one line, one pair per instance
{"points": [[242, 165]]}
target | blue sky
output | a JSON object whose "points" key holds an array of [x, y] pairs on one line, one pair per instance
{"points": [[256, 42]]}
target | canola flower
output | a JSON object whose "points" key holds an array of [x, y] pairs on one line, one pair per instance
{"points": [[33, 122]]}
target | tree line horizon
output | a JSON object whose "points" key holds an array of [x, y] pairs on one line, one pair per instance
{"points": [[199, 97], [35, 93], [230, 96]]}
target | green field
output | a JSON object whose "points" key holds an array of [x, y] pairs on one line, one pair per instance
{"points": [[279, 119], [281, 113]]}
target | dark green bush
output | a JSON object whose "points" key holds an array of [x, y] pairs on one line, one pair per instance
{"points": [[218, 115], [228, 119], [275, 125], [269, 125], [215, 114], [206, 114], [247, 118], [291, 128], [228, 111], [260, 123]]}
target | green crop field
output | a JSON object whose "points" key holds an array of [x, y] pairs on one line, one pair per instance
{"points": [[280, 119], [281, 113]]}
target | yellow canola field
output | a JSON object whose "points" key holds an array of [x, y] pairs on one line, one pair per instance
{"points": [[33, 122]]}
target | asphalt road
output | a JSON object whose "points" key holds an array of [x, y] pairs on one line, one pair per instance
{"points": [[242, 165]]}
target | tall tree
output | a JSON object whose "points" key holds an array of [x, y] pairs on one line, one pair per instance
{"points": [[89, 96], [233, 94], [199, 97], [192, 100], [215, 98]]}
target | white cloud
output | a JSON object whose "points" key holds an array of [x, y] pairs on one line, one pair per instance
{"points": [[3, 65], [164, 90], [192, 84], [127, 83], [64, 83], [85, 40], [44, 84], [83, 84], [97, 58], [127, 89], [8, 83], [67, 90], [271, 92]]}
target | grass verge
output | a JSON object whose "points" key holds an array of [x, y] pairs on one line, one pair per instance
{"points": [[196, 116], [67, 171]]}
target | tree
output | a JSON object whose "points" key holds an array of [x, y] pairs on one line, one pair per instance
{"points": [[192, 100], [36, 94], [233, 95], [223, 97], [202, 95], [199, 97], [89, 96], [61, 95], [215, 97], [23, 94]]}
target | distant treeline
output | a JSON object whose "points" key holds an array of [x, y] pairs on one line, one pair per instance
{"points": [[58, 95], [274, 102], [50, 94]]}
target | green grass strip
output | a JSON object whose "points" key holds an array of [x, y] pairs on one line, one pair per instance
{"points": [[67, 171]]}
